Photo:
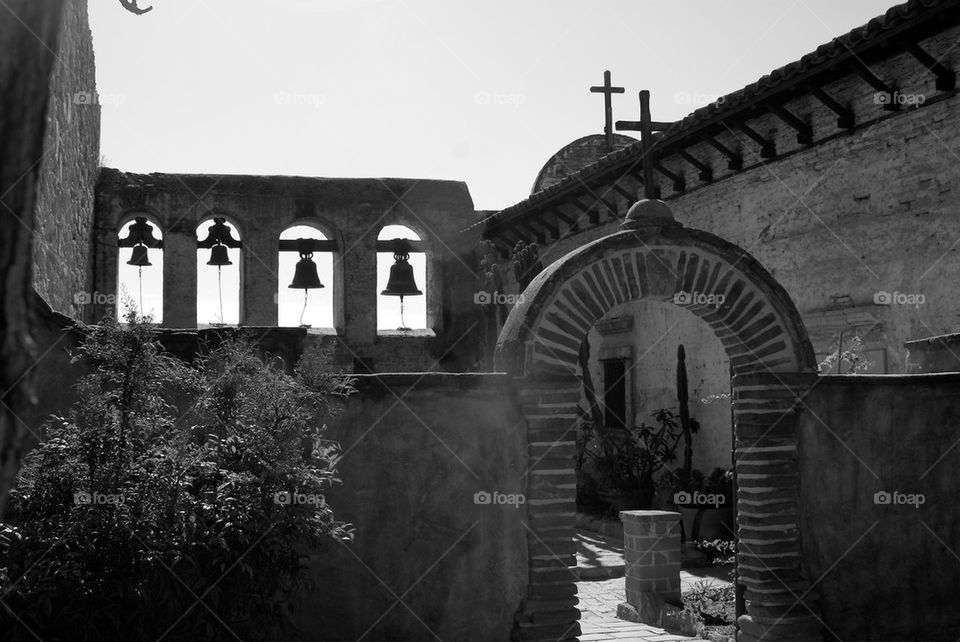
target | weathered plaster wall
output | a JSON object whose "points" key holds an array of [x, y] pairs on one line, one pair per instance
{"points": [[652, 345], [68, 171], [417, 449], [864, 435], [350, 211], [868, 211], [934, 354]]}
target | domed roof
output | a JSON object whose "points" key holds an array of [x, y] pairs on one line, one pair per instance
{"points": [[647, 212], [575, 156]]}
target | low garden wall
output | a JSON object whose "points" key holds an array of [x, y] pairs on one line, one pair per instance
{"points": [[881, 505], [431, 557]]}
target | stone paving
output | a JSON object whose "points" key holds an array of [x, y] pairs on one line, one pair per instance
{"points": [[598, 615], [600, 565]]}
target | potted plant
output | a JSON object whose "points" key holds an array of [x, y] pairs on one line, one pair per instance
{"points": [[627, 459]]}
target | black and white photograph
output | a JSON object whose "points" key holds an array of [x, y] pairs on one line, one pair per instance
{"points": [[463, 321]]}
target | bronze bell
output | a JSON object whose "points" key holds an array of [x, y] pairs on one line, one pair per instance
{"points": [[219, 255], [305, 277], [139, 256], [401, 282]]}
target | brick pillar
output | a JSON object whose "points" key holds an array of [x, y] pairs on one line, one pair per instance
{"points": [[549, 612], [651, 540], [769, 562], [180, 276]]}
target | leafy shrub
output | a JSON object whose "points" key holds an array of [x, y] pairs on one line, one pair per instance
{"points": [[718, 551], [711, 603], [166, 503]]}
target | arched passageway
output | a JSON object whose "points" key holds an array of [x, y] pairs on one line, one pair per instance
{"points": [[653, 257]]}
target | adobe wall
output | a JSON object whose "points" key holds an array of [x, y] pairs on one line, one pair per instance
{"points": [[865, 435], [410, 471], [350, 211], [649, 343]]}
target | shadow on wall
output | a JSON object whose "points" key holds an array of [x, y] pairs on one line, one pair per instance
{"points": [[411, 473], [878, 492]]}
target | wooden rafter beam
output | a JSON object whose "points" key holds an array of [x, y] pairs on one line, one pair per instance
{"points": [[591, 212], [317, 245], [861, 69], [803, 129], [536, 233], [946, 78], [631, 198], [845, 118], [679, 184], [563, 216], [511, 235], [706, 172], [767, 149], [552, 229], [613, 211], [734, 160]]}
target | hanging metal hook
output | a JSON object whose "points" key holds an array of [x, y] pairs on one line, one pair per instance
{"points": [[131, 6]]}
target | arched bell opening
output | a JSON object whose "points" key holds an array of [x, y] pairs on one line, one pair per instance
{"points": [[219, 273], [401, 279], [139, 270], [306, 278]]}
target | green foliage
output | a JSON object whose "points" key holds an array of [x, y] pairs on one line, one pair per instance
{"points": [[165, 502]]}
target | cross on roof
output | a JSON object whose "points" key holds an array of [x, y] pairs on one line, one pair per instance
{"points": [[607, 90], [646, 127]]}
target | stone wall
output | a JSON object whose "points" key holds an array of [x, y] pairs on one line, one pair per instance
{"points": [[418, 448], [68, 171], [860, 212], [884, 562], [349, 211]]}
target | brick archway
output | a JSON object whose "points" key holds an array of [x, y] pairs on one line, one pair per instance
{"points": [[653, 257]]}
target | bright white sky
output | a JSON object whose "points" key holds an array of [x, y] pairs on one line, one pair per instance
{"points": [[390, 88], [484, 92]]}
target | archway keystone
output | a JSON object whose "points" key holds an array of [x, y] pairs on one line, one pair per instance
{"points": [[653, 257]]}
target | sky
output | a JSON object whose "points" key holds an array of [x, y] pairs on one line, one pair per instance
{"points": [[482, 92]]}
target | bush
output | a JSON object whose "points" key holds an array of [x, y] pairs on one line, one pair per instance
{"points": [[173, 500], [710, 603]]}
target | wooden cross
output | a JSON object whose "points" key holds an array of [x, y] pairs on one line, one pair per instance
{"points": [[607, 90], [647, 128]]}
